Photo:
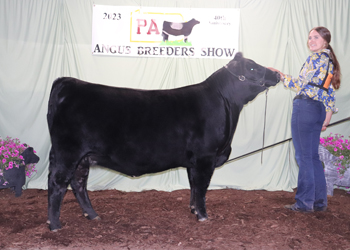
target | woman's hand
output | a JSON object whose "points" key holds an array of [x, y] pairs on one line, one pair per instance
{"points": [[327, 120], [276, 70]]}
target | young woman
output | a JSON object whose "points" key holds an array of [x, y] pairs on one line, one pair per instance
{"points": [[312, 111]]}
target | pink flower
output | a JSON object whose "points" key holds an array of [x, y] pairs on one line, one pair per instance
{"points": [[10, 150]]}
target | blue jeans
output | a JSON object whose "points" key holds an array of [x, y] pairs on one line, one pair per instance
{"points": [[307, 119]]}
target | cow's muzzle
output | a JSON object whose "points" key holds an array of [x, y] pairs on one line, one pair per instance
{"points": [[278, 76]]}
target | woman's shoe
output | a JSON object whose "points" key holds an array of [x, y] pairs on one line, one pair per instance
{"points": [[320, 209], [294, 208]]}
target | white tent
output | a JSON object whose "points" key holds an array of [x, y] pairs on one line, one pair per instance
{"points": [[42, 40]]}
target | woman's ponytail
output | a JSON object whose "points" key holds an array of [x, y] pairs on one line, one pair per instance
{"points": [[336, 69]]}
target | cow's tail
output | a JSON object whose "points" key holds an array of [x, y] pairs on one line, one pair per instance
{"points": [[54, 100]]}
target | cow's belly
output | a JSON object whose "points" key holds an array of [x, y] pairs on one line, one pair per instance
{"points": [[136, 166]]}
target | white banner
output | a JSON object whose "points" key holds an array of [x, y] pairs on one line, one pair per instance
{"points": [[164, 32]]}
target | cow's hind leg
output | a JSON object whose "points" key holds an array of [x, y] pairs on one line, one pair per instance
{"points": [[78, 185], [58, 180], [200, 179]]}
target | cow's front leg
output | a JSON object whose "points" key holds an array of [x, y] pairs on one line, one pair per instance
{"points": [[201, 176], [78, 185], [193, 191], [165, 37]]}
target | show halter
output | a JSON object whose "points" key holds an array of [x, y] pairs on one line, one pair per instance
{"points": [[242, 78]]}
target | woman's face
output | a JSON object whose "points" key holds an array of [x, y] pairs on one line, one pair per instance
{"points": [[316, 42]]}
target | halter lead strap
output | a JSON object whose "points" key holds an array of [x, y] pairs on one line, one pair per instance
{"points": [[263, 143], [242, 78]]}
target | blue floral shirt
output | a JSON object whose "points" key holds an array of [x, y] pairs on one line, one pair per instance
{"points": [[314, 72]]}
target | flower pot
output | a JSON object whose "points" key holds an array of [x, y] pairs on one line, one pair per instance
{"points": [[16, 162], [331, 171], [13, 178]]}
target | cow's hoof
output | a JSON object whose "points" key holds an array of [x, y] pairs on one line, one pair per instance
{"points": [[52, 228], [202, 217], [193, 209], [97, 218], [86, 215]]}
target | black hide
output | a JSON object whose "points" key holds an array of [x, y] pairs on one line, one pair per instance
{"points": [[16, 177], [146, 131]]}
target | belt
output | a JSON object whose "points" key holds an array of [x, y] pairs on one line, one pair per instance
{"points": [[301, 97]]}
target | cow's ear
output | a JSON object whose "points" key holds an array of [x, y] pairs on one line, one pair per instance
{"points": [[238, 56]]}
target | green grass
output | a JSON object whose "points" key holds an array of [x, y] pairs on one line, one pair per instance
{"points": [[176, 43]]}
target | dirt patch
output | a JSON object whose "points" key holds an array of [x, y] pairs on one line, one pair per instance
{"points": [[162, 220]]}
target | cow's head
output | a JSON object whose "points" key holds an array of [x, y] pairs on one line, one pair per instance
{"points": [[247, 70], [195, 21]]}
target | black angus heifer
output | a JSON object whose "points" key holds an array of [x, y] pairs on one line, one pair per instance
{"points": [[146, 131], [178, 29]]}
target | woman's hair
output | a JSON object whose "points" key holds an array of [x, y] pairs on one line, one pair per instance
{"points": [[326, 35]]}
